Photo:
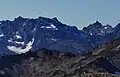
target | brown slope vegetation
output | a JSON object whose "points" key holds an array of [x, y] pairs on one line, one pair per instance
{"points": [[103, 61]]}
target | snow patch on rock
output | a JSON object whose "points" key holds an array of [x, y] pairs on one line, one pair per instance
{"points": [[19, 42], [50, 27], [10, 40], [53, 39], [18, 36], [1, 35], [106, 27], [20, 50]]}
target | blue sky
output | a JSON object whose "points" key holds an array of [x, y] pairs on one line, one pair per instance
{"points": [[72, 12]]}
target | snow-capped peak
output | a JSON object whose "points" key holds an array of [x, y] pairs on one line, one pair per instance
{"points": [[97, 29]]}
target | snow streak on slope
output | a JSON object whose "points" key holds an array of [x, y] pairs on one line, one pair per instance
{"points": [[51, 26]]}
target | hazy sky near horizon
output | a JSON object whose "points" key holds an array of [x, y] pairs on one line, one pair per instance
{"points": [[71, 12]]}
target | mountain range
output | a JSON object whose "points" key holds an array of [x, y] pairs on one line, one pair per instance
{"points": [[45, 47], [24, 34]]}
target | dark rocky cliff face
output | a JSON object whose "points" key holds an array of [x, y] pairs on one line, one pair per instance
{"points": [[24, 34]]}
